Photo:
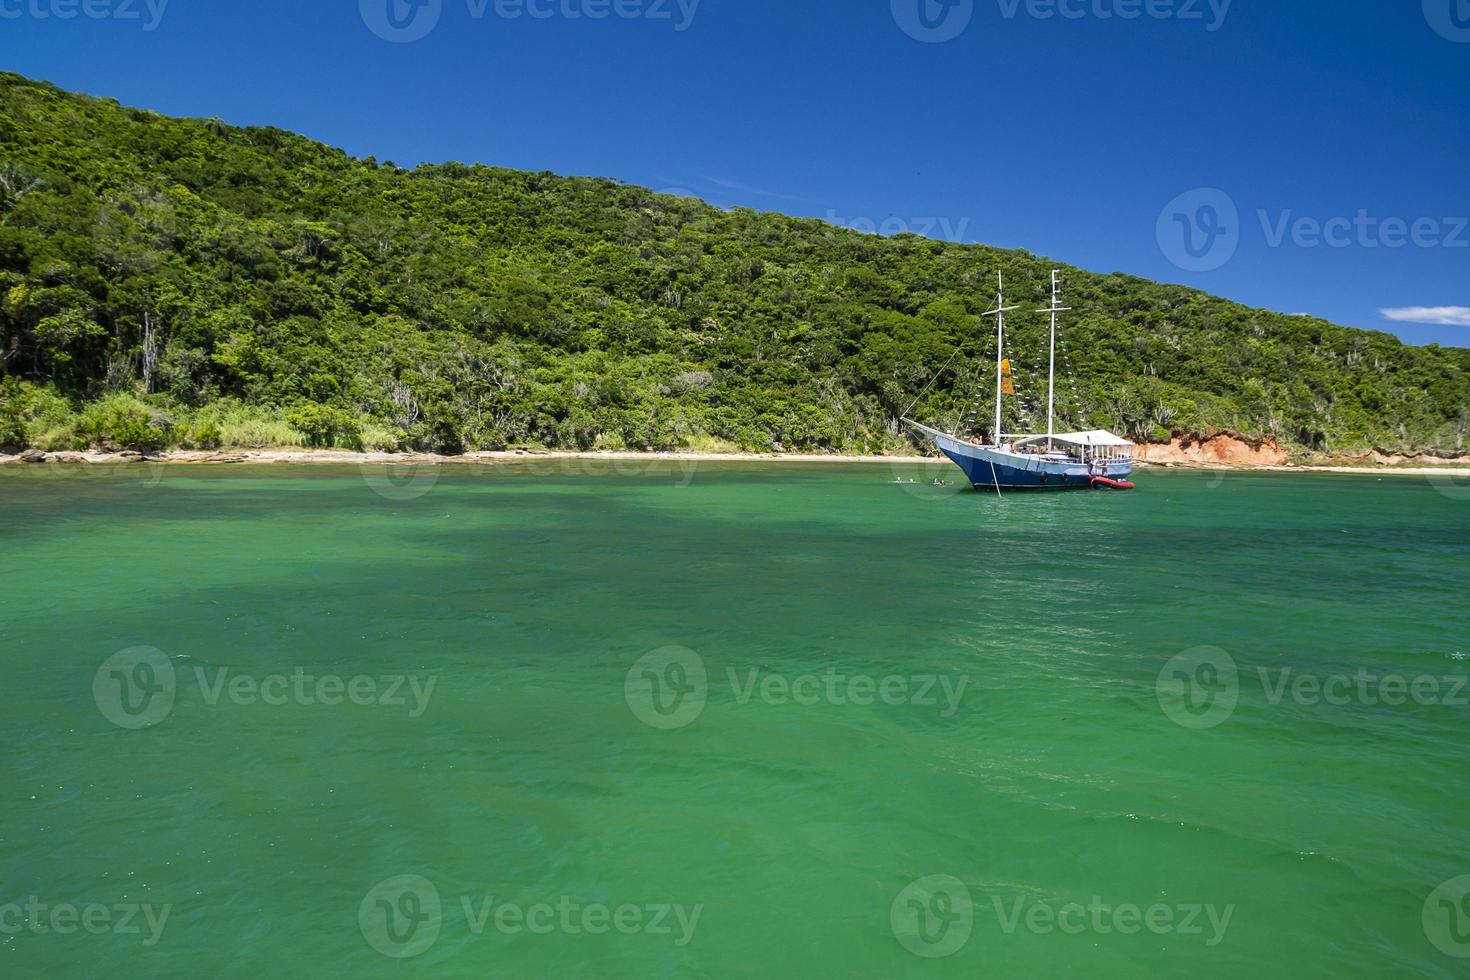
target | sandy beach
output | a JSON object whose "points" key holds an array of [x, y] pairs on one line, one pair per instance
{"points": [[329, 456]]}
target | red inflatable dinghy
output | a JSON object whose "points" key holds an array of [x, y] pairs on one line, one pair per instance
{"points": [[1102, 482]]}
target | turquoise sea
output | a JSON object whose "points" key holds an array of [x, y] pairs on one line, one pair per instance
{"points": [[605, 720]]}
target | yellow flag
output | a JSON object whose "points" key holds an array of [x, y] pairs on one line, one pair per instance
{"points": [[1007, 387], [1005, 366]]}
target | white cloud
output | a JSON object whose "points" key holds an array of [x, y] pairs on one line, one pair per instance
{"points": [[1452, 316]]}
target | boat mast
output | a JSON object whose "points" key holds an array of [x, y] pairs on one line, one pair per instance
{"points": [[1051, 377], [1000, 311]]}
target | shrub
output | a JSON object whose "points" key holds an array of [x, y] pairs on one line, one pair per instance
{"points": [[123, 422], [205, 434], [378, 438], [15, 399], [326, 427], [248, 426], [53, 422], [688, 382]]}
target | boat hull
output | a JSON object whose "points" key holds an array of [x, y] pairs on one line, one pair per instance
{"points": [[990, 468]]}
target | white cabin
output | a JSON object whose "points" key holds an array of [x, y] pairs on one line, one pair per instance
{"points": [[1086, 447]]}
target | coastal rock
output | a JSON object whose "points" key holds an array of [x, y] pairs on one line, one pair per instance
{"points": [[1385, 457], [1220, 448], [33, 456]]}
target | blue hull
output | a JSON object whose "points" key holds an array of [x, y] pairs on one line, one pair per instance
{"points": [[988, 468], [987, 474]]}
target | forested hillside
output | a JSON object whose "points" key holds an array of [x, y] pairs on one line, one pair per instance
{"points": [[183, 282]]}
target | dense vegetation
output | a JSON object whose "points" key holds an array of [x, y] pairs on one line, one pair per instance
{"points": [[183, 282]]}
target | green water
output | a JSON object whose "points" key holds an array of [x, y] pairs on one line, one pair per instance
{"points": [[527, 595]]}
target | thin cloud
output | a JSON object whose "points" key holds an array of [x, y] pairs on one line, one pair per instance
{"points": [[732, 185], [1450, 316]]}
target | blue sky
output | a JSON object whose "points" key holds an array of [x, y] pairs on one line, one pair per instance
{"points": [[1300, 156]]}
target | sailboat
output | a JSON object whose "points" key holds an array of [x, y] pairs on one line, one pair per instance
{"points": [[1054, 461]]}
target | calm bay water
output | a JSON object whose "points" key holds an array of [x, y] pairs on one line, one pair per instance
{"points": [[730, 720]]}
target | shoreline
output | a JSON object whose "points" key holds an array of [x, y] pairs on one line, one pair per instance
{"points": [[333, 456]]}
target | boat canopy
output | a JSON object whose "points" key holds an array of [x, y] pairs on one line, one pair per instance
{"points": [[1096, 437]]}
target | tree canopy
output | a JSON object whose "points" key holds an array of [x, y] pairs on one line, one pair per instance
{"points": [[184, 282]]}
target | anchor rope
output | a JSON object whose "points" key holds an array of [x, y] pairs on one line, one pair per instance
{"points": [[905, 412]]}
